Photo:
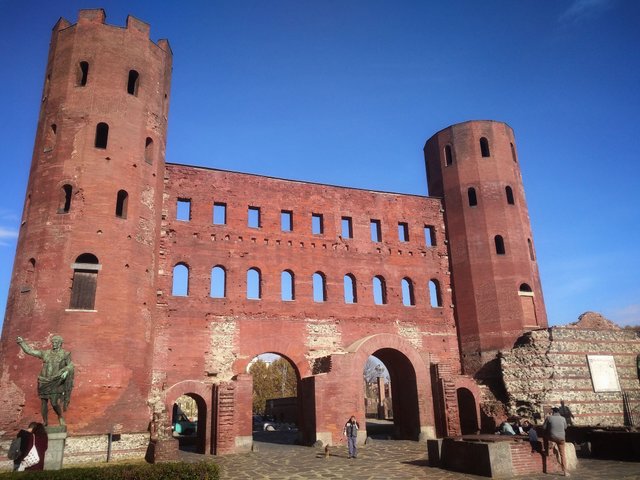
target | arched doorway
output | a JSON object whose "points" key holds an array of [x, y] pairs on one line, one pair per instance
{"points": [[188, 422], [276, 404], [404, 416], [467, 412]]}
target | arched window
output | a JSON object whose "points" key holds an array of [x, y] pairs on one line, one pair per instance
{"points": [[513, 153], [408, 298], [531, 254], [435, 295], [524, 287], [254, 284], [509, 193], [473, 199], [121, 204], [85, 282], [148, 150], [83, 74], [499, 245], [132, 84], [319, 287], [180, 280], [218, 282], [448, 156], [350, 294], [65, 199], [102, 135], [379, 290], [484, 147], [287, 286]]}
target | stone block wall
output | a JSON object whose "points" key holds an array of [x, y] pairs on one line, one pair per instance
{"points": [[551, 365]]}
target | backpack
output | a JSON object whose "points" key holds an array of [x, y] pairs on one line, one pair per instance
{"points": [[14, 449]]}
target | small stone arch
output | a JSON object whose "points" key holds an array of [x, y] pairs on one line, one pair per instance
{"points": [[467, 411], [203, 395]]}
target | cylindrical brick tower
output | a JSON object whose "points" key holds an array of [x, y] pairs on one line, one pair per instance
{"points": [[85, 266], [473, 166]]}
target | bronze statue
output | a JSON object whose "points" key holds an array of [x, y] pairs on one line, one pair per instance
{"points": [[56, 377]]}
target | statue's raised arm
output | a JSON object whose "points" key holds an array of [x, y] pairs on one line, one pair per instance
{"points": [[27, 349]]}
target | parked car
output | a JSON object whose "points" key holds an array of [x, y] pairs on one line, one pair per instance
{"points": [[183, 426], [261, 423]]}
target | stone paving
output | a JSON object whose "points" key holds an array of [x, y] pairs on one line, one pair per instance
{"points": [[379, 460]]}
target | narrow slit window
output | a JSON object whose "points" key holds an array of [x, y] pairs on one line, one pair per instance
{"points": [[65, 199], [319, 287], [218, 282], [346, 227], [102, 135], [85, 282], [379, 290], [509, 193], [83, 74], [513, 153], [287, 286], [376, 231], [180, 286], [530, 244], [350, 295], [448, 156], [317, 224], [122, 200], [499, 241], [435, 296], [183, 209], [148, 150], [473, 198], [286, 220], [408, 299], [219, 213], [132, 84], [51, 137], [484, 147], [29, 276], [403, 231], [253, 217], [430, 236], [254, 284]]}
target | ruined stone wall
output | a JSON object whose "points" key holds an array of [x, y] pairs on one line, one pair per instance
{"points": [[550, 365]]}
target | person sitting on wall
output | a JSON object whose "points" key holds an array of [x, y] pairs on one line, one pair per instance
{"points": [[530, 430], [505, 429]]}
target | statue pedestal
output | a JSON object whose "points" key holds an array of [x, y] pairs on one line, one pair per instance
{"points": [[55, 452]]}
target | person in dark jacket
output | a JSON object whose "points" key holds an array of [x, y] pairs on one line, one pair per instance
{"points": [[351, 432], [35, 434]]}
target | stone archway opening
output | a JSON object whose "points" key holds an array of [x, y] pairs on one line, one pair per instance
{"points": [[277, 411], [188, 422], [467, 412], [398, 414]]}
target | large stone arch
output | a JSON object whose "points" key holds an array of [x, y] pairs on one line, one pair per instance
{"points": [[398, 353], [294, 355], [203, 395]]}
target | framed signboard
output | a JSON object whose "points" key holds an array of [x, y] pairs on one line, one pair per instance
{"points": [[604, 375]]}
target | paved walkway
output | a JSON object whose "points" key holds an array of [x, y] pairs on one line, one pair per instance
{"points": [[380, 460]]}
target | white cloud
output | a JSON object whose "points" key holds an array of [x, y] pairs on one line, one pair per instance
{"points": [[580, 9], [8, 233]]}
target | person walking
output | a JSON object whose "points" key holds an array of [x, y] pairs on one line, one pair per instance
{"points": [[554, 427], [351, 432]]}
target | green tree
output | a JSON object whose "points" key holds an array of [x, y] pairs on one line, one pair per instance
{"points": [[275, 380]]}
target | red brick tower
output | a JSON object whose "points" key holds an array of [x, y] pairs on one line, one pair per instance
{"points": [[497, 294], [85, 266]]}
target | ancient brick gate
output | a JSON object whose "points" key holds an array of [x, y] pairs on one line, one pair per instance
{"points": [[184, 274]]}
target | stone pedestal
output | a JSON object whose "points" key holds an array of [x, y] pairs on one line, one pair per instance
{"points": [[55, 452]]}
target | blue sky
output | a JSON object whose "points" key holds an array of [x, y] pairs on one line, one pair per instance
{"points": [[347, 92]]}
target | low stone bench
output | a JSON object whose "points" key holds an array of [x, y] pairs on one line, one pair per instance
{"points": [[495, 456]]}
